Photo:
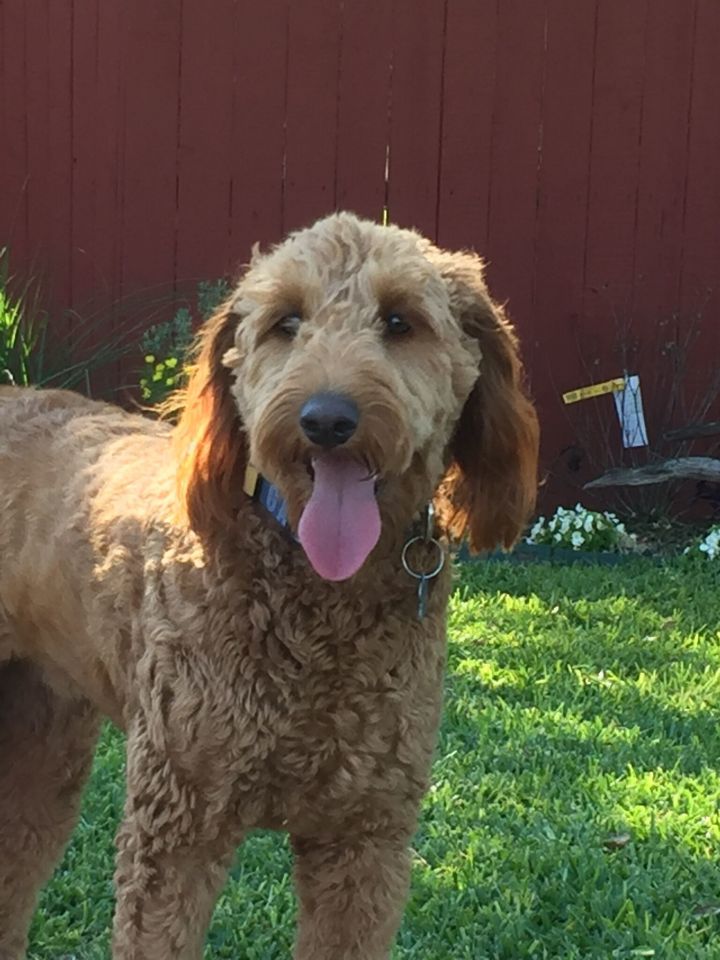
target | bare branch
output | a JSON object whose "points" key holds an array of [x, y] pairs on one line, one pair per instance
{"points": [[694, 430], [680, 468]]}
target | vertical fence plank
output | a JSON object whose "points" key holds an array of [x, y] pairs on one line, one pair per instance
{"points": [[515, 155], [614, 168], [85, 110], [13, 131], [150, 121], [663, 159], [204, 149], [415, 112], [700, 284], [258, 126], [661, 192], [105, 147], [36, 80], [312, 108], [92, 317], [561, 218], [471, 54], [609, 270], [365, 62], [58, 165], [48, 66]]}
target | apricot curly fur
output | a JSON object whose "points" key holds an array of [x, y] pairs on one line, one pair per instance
{"points": [[138, 582]]}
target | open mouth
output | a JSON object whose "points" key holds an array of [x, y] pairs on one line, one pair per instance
{"points": [[340, 524], [371, 473]]}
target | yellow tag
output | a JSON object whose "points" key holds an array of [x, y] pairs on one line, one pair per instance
{"points": [[251, 479], [594, 390]]}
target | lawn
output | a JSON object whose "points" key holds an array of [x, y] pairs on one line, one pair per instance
{"points": [[575, 811]]}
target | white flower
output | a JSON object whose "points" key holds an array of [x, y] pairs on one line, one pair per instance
{"points": [[710, 544], [579, 527]]}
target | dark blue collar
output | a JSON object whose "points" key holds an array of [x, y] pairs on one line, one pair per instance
{"points": [[261, 490]]}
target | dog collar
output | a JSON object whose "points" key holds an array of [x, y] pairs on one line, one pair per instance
{"points": [[267, 495]]}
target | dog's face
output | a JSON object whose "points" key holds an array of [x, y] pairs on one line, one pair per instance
{"points": [[358, 365]]}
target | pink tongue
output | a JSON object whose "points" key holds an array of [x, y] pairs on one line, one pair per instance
{"points": [[341, 522]]}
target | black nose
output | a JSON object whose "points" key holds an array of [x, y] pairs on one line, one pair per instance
{"points": [[329, 419]]}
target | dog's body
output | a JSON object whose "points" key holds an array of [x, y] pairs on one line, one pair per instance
{"points": [[138, 581]]}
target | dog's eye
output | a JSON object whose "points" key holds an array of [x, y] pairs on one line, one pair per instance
{"points": [[396, 325], [289, 324]]}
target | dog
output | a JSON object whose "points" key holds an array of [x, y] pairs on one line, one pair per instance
{"points": [[256, 594]]}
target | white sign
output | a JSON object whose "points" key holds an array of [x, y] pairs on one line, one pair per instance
{"points": [[629, 407]]}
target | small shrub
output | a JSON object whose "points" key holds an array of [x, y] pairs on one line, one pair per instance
{"points": [[581, 529], [165, 345], [210, 294]]}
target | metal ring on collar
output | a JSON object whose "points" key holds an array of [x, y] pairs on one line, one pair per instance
{"points": [[414, 573]]}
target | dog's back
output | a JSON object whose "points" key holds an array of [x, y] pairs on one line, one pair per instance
{"points": [[29, 423], [61, 465]]}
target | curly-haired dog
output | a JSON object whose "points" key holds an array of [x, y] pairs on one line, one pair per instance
{"points": [[262, 680]]}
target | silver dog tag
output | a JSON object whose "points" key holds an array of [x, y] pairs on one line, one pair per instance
{"points": [[422, 597]]}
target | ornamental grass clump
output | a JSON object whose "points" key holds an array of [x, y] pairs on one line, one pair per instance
{"points": [[65, 352], [578, 528]]}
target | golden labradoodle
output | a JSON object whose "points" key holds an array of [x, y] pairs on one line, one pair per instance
{"points": [[255, 595]]}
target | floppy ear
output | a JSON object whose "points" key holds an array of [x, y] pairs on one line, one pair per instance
{"points": [[489, 490], [209, 439]]}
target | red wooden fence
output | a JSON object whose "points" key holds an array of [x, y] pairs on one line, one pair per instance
{"points": [[575, 143]]}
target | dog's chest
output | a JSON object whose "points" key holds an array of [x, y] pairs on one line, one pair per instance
{"points": [[315, 709], [356, 730], [322, 727]]}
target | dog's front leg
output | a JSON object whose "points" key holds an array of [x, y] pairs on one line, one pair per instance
{"points": [[165, 898], [175, 846], [351, 892]]}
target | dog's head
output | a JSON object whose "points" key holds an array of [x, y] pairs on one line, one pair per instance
{"points": [[362, 371]]}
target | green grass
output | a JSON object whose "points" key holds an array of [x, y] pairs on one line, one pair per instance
{"points": [[582, 704]]}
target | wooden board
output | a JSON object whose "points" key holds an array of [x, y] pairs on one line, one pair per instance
{"points": [[363, 107], [471, 57], [204, 157], [257, 152], [312, 110], [418, 35], [13, 132], [516, 143]]}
